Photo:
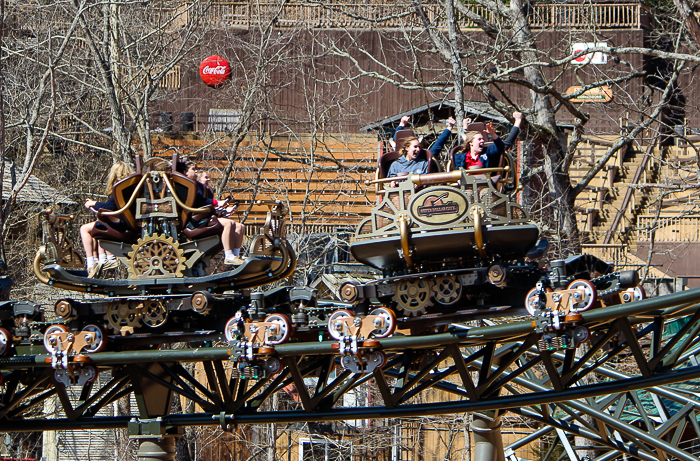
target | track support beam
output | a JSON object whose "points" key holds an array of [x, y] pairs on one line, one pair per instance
{"points": [[488, 443]]}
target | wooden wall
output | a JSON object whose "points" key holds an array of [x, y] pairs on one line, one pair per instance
{"points": [[293, 87]]}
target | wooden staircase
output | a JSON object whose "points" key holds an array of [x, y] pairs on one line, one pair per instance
{"points": [[608, 208]]}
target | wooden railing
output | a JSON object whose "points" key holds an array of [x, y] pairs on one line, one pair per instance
{"points": [[621, 258], [348, 15], [603, 16], [613, 253], [669, 229]]}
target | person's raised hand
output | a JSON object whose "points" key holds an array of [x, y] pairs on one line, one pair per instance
{"points": [[404, 120], [490, 130], [518, 116]]}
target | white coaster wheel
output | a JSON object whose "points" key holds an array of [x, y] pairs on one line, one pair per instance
{"points": [[284, 329], [231, 331], [389, 322], [100, 338], [589, 295], [335, 327], [532, 301], [52, 330], [634, 294]]}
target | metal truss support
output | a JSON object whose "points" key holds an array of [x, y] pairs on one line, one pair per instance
{"points": [[643, 414]]}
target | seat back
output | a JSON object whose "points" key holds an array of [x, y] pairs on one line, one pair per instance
{"points": [[186, 191], [122, 192], [452, 162], [433, 165], [402, 135], [385, 161]]}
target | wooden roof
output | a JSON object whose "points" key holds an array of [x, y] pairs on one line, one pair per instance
{"points": [[35, 191]]}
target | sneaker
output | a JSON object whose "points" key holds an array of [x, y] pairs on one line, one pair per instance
{"points": [[110, 264], [95, 270], [235, 261]]}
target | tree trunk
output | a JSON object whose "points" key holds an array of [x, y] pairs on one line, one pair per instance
{"points": [[549, 135]]}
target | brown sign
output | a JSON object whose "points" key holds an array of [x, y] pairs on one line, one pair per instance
{"points": [[600, 94]]}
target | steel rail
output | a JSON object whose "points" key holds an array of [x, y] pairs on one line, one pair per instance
{"points": [[663, 306]]}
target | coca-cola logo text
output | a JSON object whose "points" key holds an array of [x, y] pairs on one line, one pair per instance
{"points": [[218, 70]]}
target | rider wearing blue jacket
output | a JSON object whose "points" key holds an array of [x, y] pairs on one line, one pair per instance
{"points": [[411, 161]]}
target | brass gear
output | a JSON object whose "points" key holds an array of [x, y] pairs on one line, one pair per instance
{"points": [[447, 290], [156, 256], [413, 296], [124, 314], [154, 313]]}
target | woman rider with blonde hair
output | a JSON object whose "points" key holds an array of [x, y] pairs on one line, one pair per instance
{"points": [[474, 154], [117, 172]]}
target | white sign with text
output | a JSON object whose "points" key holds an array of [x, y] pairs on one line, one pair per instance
{"points": [[599, 57]]}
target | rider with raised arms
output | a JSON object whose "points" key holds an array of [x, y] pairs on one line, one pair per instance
{"points": [[474, 154]]}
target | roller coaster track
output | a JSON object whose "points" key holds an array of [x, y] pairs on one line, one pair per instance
{"points": [[496, 368]]}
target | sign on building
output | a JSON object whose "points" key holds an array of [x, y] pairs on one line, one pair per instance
{"points": [[600, 94], [598, 57]]}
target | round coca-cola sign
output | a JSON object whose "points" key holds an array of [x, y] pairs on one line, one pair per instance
{"points": [[214, 70]]}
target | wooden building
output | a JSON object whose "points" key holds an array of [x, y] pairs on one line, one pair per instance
{"points": [[289, 101]]}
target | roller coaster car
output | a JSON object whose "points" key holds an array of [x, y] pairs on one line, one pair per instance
{"points": [[456, 244], [437, 237], [149, 234]]}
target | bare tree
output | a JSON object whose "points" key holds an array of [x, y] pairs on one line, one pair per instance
{"points": [[495, 50]]}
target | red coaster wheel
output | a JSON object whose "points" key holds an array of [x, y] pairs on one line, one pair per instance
{"points": [[100, 338], [52, 330], [590, 295], [284, 331], [389, 322], [5, 341], [335, 328]]}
